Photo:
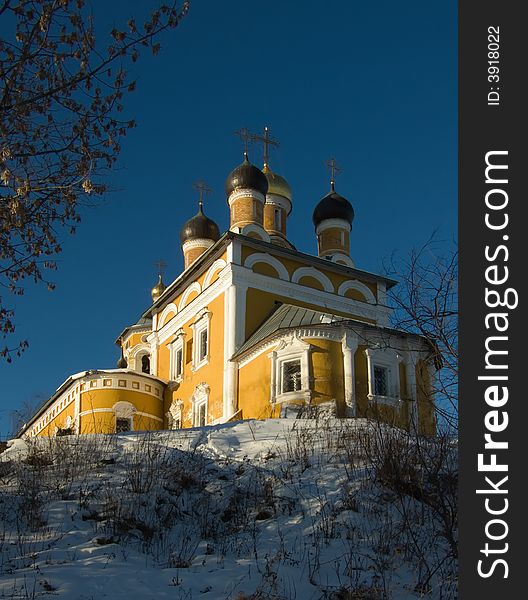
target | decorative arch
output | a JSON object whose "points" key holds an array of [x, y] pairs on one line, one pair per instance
{"points": [[262, 257], [218, 265], [170, 308], [253, 230], [135, 356], [124, 409], [315, 274], [124, 416], [194, 287], [360, 287], [343, 259]]}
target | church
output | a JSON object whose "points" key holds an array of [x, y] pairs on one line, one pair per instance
{"points": [[253, 329]]}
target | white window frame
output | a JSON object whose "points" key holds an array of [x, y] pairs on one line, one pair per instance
{"points": [[201, 324], [200, 398], [288, 350], [174, 347], [124, 410], [175, 413], [389, 359]]}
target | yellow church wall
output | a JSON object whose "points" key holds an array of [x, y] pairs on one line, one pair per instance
{"points": [[59, 421], [331, 239], [394, 415], [355, 295], [134, 339], [200, 279], [327, 372], [311, 282], [93, 400], [210, 373], [293, 265], [260, 304], [105, 422], [254, 389]]}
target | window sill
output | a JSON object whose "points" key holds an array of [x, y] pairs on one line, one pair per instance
{"points": [[391, 400], [201, 364], [305, 395]]}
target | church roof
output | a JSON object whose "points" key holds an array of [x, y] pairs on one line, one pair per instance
{"points": [[287, 316], [207, 258]]}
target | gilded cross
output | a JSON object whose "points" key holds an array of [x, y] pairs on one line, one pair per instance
{"points": [[268, 142]]}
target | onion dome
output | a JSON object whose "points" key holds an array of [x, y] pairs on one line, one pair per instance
{"points": [[277, 184], [158, 289], [246, 175], [122, 362], [333, 206], [199, 227]]}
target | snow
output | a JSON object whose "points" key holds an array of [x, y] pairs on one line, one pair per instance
{"points": [[278, 509]]}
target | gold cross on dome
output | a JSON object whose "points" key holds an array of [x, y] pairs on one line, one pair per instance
{"points": [[268, 142], [203, 190], [334, 170]]}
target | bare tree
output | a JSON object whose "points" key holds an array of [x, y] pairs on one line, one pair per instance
{"points": [[61, 103], [426, 302]]}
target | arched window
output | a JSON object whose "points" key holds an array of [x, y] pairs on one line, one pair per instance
{"points": [[145, 363]]}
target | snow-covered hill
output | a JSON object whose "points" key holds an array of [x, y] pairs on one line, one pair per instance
{"points": [[276, 509]]}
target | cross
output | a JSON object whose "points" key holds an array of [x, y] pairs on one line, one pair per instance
{"points": [[203, 190], [160, 264], [268, 141], [246, 136], [334, 170]]}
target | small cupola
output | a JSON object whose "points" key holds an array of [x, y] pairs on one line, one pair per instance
{"points": [[278, 206], [246, 176], [198, 234], [332, 219], [158, 289], [246, 187]]}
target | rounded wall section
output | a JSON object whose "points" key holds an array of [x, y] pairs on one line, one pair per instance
{"points": [[107, 397], [193, 249], [334, 240], [246, 207]]}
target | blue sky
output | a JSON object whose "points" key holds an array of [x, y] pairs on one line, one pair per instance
{"points": [[372, 83]]}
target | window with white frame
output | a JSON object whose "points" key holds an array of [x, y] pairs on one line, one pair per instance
{"points": [[124, 416], [200, 400], [290, 370], [201, 336], [383, 374], [176, 357], [174, 415]]}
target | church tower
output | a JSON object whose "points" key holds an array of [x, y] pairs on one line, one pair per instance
{"points": [[332, 219], [278, 205], [199, 233], [246, 188]]}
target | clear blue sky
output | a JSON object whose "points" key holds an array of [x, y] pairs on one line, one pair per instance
{"points": [[372, 83]]}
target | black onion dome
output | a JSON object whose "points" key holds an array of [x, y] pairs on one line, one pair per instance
{"points": [[333, 206], [246, 175], [122, 362], [199, 227]]}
